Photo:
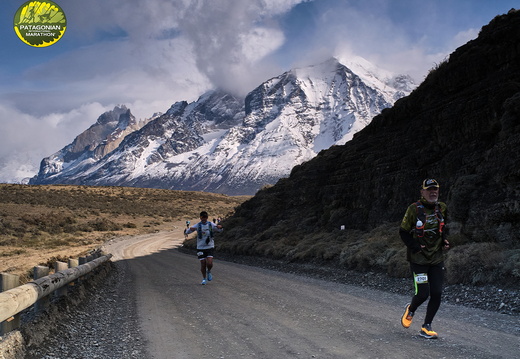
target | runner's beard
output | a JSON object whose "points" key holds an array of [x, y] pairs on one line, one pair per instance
{"points": [[432, 199]]}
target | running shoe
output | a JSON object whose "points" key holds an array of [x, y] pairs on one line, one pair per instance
{"points": [[203, 282], [406, 319], [427, 332], [210, 277]]}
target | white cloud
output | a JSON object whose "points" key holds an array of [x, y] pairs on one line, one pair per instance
{"points": [[463, 37], [146, 55], [260, 42], [25, 139], [150, 54], [231, 38]]}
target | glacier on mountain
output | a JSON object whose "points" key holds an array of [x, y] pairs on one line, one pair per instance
{"points": [[226, 144]]}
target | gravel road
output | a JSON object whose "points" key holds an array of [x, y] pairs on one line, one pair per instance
{"points": [[153, 306]]}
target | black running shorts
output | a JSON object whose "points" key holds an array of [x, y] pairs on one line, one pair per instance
{"points": [[205, 253]]}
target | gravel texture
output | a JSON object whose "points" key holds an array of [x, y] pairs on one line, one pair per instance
{"points": [[503, 299], [100, 324], [89, 323]]}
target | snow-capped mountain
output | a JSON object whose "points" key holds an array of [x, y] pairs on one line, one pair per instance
{"points": [[225, 144], [91, 145]]}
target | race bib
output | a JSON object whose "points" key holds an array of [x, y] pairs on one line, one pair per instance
{"points": [[421, 278]]}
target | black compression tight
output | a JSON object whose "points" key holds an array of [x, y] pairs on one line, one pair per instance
{"points": [[432, 287]]}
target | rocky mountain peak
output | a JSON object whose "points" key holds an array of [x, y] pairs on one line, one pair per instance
{"points": [[94, 143], [461, 126], [231, 145]]}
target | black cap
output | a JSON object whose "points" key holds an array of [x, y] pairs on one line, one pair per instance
{"points": [[430, 182]]}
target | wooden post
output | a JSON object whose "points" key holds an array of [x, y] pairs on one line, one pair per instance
{"points": [[9, 281], [15, 300], [72, 264], [83, 260], [43, 303], [59, 266]]}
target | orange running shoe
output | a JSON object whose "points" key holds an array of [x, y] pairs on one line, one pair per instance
{"points": [[406, 319], [427, 332]]}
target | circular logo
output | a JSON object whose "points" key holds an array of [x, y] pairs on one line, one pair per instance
{"points": [[40, 23]]}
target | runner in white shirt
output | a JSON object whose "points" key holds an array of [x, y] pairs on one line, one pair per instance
{"points": [[205, 244]]}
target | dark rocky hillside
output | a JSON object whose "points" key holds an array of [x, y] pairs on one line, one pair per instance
{"points": [[460, 126]]}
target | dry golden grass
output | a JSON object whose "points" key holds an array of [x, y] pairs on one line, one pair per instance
{"points": [[41, 223]]}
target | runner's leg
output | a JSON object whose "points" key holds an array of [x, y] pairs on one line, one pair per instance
{"points": [[422, 289], [203, 267], [435, 278], [209, 263]]}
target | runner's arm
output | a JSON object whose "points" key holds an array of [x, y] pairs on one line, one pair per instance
{"points": [[405, 230], [191, 229], [409, 241], [217, 227]]}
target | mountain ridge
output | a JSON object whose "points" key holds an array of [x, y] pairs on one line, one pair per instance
{"points": [[460, 126], [224, 144]]}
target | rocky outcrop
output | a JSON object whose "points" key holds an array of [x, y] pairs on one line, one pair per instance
{"points": [[460, 126], [92, 144]]}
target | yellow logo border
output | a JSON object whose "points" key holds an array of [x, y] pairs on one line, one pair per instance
{"points": [[43, 21]]}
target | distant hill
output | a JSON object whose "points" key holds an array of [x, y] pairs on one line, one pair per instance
{"points": [[460, 126]]}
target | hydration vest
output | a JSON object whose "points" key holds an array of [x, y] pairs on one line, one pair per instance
{"points": [[421, 215], [199, 230]]}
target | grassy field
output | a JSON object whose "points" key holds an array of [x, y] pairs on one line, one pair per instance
{"points": [[41, 224]]}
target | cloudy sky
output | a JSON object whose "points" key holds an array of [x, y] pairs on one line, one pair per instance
{"points": [[150, 54]]}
